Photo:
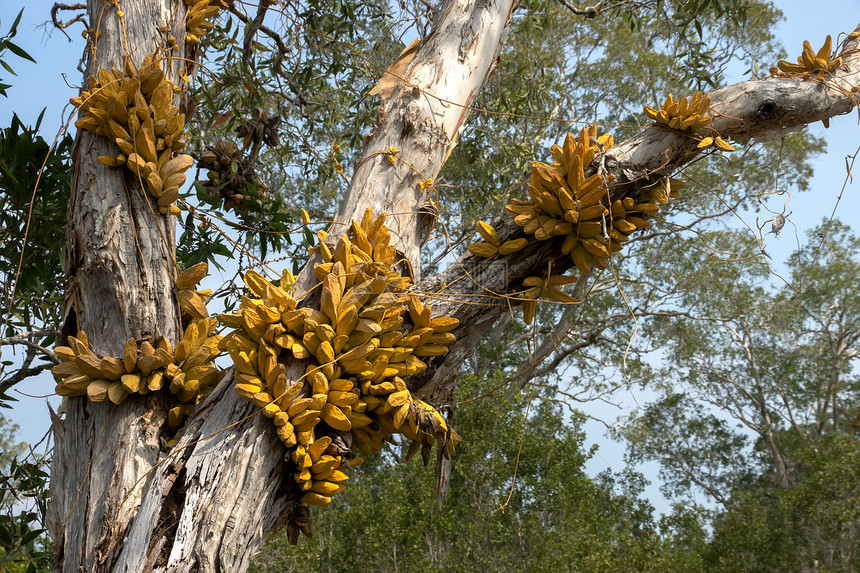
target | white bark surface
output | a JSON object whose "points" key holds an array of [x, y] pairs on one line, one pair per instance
{"points": [[423, 120]]}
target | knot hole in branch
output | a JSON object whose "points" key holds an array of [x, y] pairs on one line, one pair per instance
{"points": [[767, 110]]}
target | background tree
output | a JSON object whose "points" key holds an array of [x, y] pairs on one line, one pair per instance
{"points": [[28, 316], [30, 282], [758, 402], [23, 500]]}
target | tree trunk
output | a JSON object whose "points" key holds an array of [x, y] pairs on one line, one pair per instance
{"points": [[120, 264], [121, 503], [212, 500]]}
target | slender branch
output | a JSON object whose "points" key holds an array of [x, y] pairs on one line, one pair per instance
{"points": [[589, 12], [550, 343], [279, 41], [24, 339], [79, 18], [710, 490], [60, 25], [252, 31], [283, 49], [24, 372], [576, 411], [528, 370]]}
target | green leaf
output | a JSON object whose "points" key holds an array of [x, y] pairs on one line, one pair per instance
{"points": [[19, 52], [14, 29], [7, 67]]}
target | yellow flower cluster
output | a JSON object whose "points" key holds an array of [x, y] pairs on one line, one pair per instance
{"points": [[367, 334], [134, 108], [567, 206], [187, 371]]}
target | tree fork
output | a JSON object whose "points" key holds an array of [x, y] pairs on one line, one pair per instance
{"points": [[210, 505], [221, 525]]}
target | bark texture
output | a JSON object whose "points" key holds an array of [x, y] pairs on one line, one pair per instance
{"points": [[120, 257], [423, 119]]}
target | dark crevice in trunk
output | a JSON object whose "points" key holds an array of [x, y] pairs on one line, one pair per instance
{"points": [[171, 511]]}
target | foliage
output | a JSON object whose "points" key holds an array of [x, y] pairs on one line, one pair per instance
{"points": [[24, 546], [757, 401], [35, 200], [9, 449], [557, 519], [813, 524], [6, 44], [313, 78], [34, 179]]}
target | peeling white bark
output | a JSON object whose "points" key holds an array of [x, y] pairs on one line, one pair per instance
{"points": [[756, 110], [423, 119]]}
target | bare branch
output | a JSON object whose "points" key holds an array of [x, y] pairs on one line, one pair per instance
{"points": [[604, 6], [252, 31], [59, 24], [279, 41], [24, 372], [25, 339], [692, 475], [576, 411], [299, 101], [553, 341], [589, 12]]}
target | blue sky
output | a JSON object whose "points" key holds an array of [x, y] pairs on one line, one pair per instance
{"points": [[48, 85]]}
